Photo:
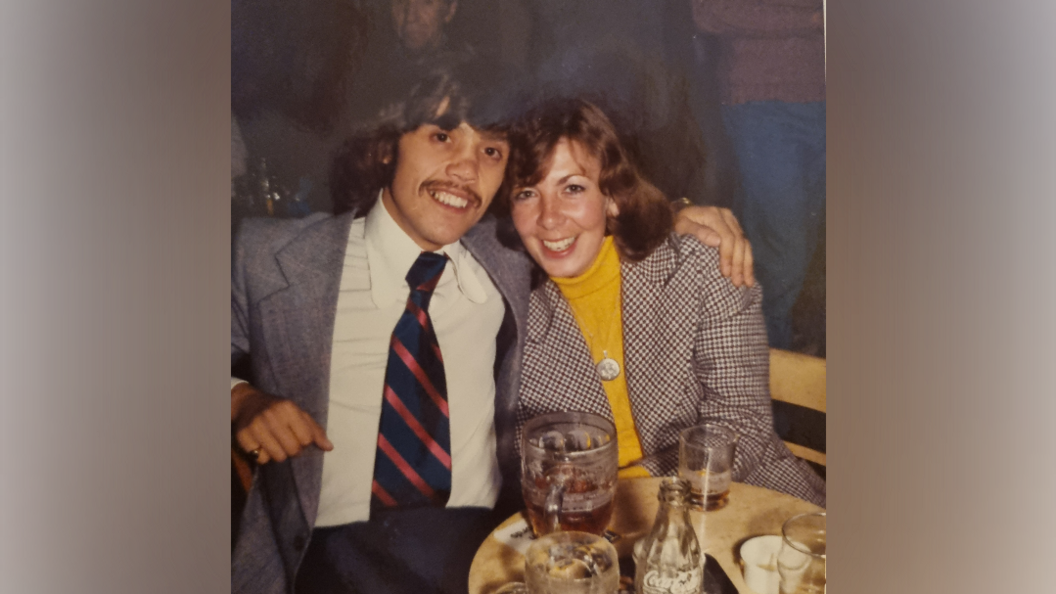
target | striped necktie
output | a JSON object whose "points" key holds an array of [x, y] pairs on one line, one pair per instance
{"points": [[412, 467]]}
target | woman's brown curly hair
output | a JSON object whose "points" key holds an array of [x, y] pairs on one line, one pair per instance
{"points": [[645, 217]]}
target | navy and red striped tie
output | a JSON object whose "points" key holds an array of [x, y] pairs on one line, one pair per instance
{"points": [[412, 467]]}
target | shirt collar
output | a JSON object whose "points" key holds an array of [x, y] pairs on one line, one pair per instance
{"points": [[391, 253]]}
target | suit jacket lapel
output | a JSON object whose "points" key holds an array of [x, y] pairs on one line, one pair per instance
{"points": [[298, 326], [510, 271], [556, 349], [649, 329]]}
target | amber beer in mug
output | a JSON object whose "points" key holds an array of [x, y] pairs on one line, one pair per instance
{"points": [[588, 510], [568, 472]]}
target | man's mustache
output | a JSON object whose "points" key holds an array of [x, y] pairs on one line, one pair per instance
{"points": [[432, 186]]}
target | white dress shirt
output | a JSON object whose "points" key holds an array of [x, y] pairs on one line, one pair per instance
{"points": [[466, 310]]}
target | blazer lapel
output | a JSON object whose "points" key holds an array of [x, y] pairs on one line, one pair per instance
{"points": [[655, 331], [510, 271], [298, 325], [556, 349]]}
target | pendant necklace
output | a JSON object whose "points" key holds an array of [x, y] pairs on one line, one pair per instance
{"points": [[608, 368]]}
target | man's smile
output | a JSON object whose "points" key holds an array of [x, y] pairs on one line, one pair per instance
{"points": [[448, 199], [451, 196]]}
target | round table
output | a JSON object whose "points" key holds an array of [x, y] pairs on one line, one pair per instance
{"points": [[751, 511]]}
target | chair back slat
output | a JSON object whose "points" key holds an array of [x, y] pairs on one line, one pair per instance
{"points": [[797, 390], [798, 379]]}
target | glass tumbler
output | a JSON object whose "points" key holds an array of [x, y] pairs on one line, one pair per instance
{"points": [[705, 460], [571, 563], [801, 561]]}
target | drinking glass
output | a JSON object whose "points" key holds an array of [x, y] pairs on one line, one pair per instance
{"points": [[801, 561], [568, 472], [705, 459], [571, 563]]}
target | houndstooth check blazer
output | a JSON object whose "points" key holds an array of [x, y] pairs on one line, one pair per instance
{"points": [[695, 351]]}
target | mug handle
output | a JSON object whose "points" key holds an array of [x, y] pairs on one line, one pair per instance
{"points": [[554, 498]]}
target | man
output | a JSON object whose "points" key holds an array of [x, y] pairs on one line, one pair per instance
{"points": [[317, 310], [412, 42], [419, 24]]}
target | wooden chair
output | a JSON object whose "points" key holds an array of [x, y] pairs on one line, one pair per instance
{"points": [[797, 390]]}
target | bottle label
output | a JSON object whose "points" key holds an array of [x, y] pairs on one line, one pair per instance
{"points": [[684, 582]]}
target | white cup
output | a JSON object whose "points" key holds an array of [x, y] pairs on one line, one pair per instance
{"points": [[759, 555]]}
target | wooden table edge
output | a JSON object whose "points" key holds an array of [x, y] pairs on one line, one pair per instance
{"points": [[744, 511]]}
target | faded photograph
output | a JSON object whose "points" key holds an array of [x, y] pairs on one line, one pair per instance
{"points": [[454, 218]]}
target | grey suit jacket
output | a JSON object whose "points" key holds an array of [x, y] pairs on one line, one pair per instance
{"points": [[695, 350], [284, 288]]}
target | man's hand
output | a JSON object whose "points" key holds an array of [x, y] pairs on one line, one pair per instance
{"points": [[276, 427], [717, 227]]}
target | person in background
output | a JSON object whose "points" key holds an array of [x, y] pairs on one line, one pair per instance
{"points": [[419, 24], [772, 81], [411, 38], [376, 357], [628, 320]]}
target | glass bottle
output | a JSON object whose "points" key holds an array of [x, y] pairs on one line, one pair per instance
{"points": [[267, 188], [669, 560]]}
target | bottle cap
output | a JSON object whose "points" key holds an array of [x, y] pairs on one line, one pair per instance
{"points": [[673, 490]]}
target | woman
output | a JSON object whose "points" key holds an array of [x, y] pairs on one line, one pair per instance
{"points": [[631, 321]]}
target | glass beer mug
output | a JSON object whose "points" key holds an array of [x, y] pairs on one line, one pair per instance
{"points": [[568, 563], [568, 472]]}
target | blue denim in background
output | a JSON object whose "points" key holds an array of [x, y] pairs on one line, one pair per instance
{"points": [[780, 153]]}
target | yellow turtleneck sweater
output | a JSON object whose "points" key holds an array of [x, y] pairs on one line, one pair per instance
{"points": [[595, 300]]}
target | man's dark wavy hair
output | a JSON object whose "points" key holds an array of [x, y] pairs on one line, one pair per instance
{"points": [[474, 93]]}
